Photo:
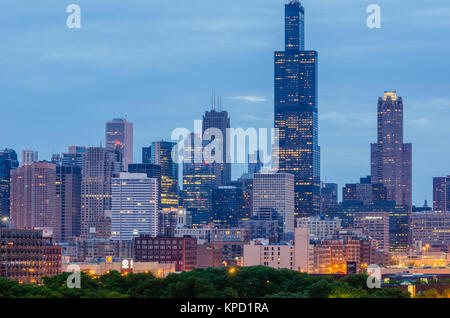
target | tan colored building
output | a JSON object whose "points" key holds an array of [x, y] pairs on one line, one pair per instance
{"points": [[209, 256], [295, 257], [125, 265]]}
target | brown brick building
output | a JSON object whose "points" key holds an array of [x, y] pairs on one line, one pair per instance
{"points": [[165, 250], [26, 256]]}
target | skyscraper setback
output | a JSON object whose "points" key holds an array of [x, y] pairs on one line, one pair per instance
{"points": [[391, 159], [296, 111]]}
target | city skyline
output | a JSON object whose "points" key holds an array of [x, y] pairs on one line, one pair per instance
{"points": [[345, 157], [167, 205]]}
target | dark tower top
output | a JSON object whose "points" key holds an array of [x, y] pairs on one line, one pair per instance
{"points": [[294, 26]]}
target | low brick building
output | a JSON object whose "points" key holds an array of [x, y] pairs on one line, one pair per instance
{"points": [[26, 256], [181, 251]]}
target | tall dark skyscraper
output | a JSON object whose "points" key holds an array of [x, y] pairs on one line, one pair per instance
{"points": [[119, 137], [67, 219], [296, 111], [220, 121], [227, 206], [391, 159], [161, 154], [328, 197], [8, 162], [199, 180]]}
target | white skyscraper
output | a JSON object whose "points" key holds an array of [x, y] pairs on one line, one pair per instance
{"points": [[275, 191], [134, 206]]}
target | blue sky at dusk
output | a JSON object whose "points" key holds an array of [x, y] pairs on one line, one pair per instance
{"points": [[159, 60]]}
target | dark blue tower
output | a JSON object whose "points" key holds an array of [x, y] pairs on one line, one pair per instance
{"points": [[296, 111]]}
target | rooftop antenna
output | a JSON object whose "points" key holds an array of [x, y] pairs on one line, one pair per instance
{"points": [[126, 116], [212, 100]]}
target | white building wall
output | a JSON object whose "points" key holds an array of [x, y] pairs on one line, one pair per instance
{"points": [[275, 190], [134, 206]]}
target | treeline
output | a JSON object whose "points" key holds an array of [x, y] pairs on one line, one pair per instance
{"points": [[246, 282]]}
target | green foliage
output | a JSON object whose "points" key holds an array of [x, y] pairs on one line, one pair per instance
{"points": [[246, 282], [430, 293]]}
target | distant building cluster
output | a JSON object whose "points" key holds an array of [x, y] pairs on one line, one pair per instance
{"points": [[96, 207]]}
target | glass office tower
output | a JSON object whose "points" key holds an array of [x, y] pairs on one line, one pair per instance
{"points": [[296, 109]]}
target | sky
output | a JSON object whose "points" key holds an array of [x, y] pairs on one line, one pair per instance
{"points": [[158, 61]]}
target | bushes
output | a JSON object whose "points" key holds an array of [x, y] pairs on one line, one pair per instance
{"points": [[246, 282]]}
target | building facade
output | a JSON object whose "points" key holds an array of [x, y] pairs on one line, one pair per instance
{"points": [[152, 171], [160, 153], [294, 257], [227, 206], [100, 165], [275, 190], [215, 125], [199, 180], [8, 162], [67, 219], [134, 206], [167, 250], [441, 194], [391, 159], [375, 225]]}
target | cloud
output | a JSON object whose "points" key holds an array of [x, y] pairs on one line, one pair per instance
{"points": [[249, 98]]}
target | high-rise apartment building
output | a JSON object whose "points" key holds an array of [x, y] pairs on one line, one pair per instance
{"points": [[213, 123], [8, 162], [375, 225], [119, 137], [33, 196], [100, 165], [275, 190], [134, 206], [296, 113], [441, 194], [391, 159]]}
